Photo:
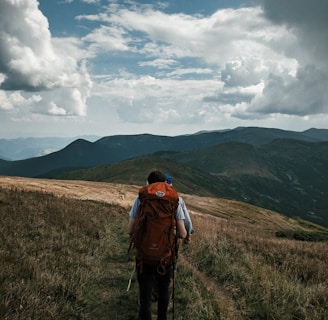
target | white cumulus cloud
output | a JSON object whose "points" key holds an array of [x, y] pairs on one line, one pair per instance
{"points": [[29, 61]]}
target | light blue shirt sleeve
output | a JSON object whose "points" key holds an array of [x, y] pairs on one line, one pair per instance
{"points": [[188, 222], [179, 213], [134, 209]]}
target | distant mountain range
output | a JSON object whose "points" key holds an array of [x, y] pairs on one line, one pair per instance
{"points": [[24, 148], [282, 170]]}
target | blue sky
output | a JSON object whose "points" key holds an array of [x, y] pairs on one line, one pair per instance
{"points": [[106, 67]]}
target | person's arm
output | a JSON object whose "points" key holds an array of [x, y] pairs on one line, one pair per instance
{"points": [[180, 227], [133, 215], [131, 225], [188, 222], [181, 230]]}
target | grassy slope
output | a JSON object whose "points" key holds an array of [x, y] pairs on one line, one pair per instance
{"points": [[67, 259]]}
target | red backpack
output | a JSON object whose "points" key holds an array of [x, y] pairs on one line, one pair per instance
{"points": [[154, 233]]}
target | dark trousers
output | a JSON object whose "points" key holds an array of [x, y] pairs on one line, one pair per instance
{"points": [[146, 282]]}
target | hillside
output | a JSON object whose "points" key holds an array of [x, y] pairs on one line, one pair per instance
{"points": [[281, 170], [288, 176], [285, 175], [135, 171], [64, 256]]}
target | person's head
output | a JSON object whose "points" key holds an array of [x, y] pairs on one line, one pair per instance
{"points": [[156, 176]]}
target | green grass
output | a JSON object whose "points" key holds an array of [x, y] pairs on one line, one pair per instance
{"points": [[302, 235]]}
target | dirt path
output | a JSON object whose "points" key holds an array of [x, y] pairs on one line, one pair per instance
{"points": [[228, 309]]}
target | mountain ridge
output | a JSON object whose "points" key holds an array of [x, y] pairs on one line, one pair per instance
{"points": [[25, 148]]}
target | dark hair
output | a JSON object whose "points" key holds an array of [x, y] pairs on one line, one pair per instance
{"points": [[156, 176]]}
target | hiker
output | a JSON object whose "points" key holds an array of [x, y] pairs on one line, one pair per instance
{"points": [[188, 222], [149, 271]]}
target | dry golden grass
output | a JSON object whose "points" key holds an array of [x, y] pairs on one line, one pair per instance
{"points": [[65, 258], [111, 193], [267, 277], [51, 250]]}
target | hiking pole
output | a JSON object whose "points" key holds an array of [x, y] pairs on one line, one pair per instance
{"points": [[173, 285], [173, 272], [130, 279]]}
